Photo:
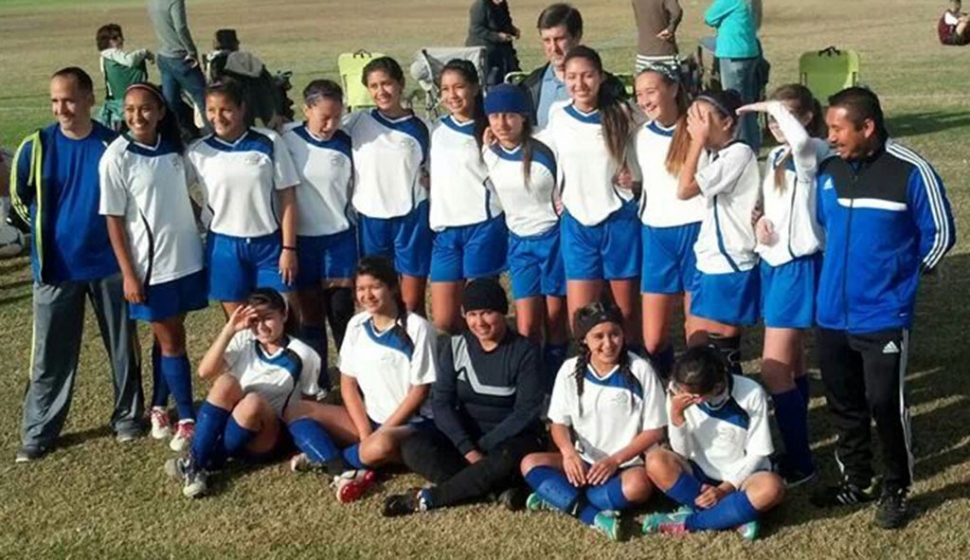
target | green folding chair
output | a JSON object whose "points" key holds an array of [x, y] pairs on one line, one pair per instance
{"points": [[828, 71], [351, 68], [516, 78]]}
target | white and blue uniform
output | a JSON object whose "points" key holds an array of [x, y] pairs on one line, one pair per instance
{"points": [[327, 246], [390, 156], [670, 225], [535, 261], [470, 236], [791, 261], [600, 230], [387, 363], [726, 289], [610, 413], [289, 374], [148, 187], [239, 181]]}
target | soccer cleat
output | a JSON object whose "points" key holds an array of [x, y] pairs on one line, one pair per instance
{"points": [[397, 505], [608, 523], [184, 432], [845, 494], [513, 498], [300, 463], [127, 436], [749, 531], [29, 453], [893, 509], [535, 503], [161, 428], [193, 478], [672, 523], [792, 476], [352, 485]]}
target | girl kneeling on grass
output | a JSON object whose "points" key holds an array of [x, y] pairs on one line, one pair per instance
{"points": [[719, 469], [259, 372], [386, 369], [606, 411]]}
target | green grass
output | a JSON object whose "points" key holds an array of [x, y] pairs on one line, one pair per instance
{"points": [[95, 498]]}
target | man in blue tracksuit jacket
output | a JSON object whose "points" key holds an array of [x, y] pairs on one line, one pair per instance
{"points": [[887, 221]]}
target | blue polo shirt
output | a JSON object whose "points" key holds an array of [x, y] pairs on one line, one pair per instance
{"points": [[552, 90]]}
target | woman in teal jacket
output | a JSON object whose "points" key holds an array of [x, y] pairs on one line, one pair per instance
{"points": [[739, 51]]}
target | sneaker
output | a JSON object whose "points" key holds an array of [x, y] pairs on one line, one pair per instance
{"points": [[608, 523], [352, 485], [535, 503], [792, 475], [671, 523], [29, 453], [750, 530], [161, 427], [893, 509], [184, 432], [128, 436], [844, 494], [397, 505], [514, 498], [193, 478], [300, 463]]}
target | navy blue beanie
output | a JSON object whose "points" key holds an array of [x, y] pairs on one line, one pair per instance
{"points": [[506, 98]]}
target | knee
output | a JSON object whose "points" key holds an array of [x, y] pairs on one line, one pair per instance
{"points": [[226, 392], [637, 486], [376, 449], [248, 409], [528, 463], [658, 463], [295, 411], [767, 493]]}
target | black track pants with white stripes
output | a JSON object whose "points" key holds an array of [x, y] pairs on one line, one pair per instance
{"points": [[864, 380]]}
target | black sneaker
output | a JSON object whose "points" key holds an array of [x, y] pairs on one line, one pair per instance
{"points": [[791, 474], [29, 453], [513, 498], [893, 509], [397, 505], [844, 494]]}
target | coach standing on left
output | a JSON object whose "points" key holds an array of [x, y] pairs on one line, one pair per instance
{"points": [[55, 189], [887, 221]]}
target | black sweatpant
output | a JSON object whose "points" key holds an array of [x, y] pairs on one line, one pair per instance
{"points": [[864, 380], [432, 455]]}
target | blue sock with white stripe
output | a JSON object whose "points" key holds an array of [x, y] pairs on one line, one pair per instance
{"points": [[734, 510], [352, 457], [554, 488], [685, 490], [236, 438], [310, 437], [553, 356], [177, 372], [804, 388], [663, 361], [792, 417], [609, 496], [316, 338], [207, 442], [160, 390]]}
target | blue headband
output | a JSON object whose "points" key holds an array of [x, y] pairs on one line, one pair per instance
{"points": [[506, 98]]}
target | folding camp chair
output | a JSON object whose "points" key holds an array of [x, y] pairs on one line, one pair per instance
{"points": [[351, 68], [828, 71], [427, 65], [516, 78]]}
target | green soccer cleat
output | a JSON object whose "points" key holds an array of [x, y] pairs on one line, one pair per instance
{"points": [[609, 524], [535, 503], [672, 523], [750, 530]]}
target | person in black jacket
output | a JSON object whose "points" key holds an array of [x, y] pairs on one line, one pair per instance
{"points": [[490, 26], [486, 402]]}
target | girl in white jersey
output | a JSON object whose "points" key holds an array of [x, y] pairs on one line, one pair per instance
{"points": [[247, 177], [670, 225], [258, 373], [151, 224], [790, 243], [386, 370], [326, 234], [470, 235], [725, 294], [391, 150], [607, 409], [523, 171], [717, 467], [592, 138]]}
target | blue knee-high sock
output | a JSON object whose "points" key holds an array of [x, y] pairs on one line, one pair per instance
{"points": [[177, 373], [236, 438], [553, 487], [159, 386], [609, 496], [732, 511], [207, 442], [685, 490], [792, 417], [803, 387], [663, 361], [351, 456], [553, 355], [310, 437], [316, 338]]}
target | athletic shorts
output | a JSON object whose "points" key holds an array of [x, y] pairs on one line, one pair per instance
{"points": [[609, 250], [669, 261], [405, 240], [730, 298], [467, 252], [535, 265], [238, 265], [323, 257], [788, 292], [172, 298]]}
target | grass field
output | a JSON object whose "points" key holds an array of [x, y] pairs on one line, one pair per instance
{"points": [[95, 498]]}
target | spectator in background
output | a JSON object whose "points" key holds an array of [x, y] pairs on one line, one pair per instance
{"points": [[120, 70], [657, 22], [490, 26], [178, 60], [953, 26]]}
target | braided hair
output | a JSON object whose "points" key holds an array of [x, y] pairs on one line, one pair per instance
{"points": [[585, 319], [383, 271]]}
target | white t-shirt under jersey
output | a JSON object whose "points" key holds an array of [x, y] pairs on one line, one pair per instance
{"points": [[612, 412], [530, 209], [659, 205], [326, 170], [461, 193], [148, 186], [389, 158], [239, 180], [291, 373], [386, 365]]}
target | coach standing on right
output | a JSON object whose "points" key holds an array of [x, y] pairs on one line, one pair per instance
{"points": [[887, 221]]}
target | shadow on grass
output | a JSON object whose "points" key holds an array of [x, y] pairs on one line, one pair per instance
{"points": [[72, 439], [15, 298], [917, 124]]}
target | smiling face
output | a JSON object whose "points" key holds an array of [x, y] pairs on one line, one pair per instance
{"points": [[323, 117], [507, 128], [605, 342], [656, 97], [384, 90], [143, 112], [70, 104], [226, 116], [556, 42], [849, 140], [458, 95], [269, 325], [486, 325], [583, 80], [375, 297]]}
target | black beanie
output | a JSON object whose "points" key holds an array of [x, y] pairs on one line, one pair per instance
{"points": [[485, 293]]}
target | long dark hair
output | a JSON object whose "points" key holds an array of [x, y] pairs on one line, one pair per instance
{"points": [[382, 270], [801, 101], [585, 319], [468, 73], [616, 118], [384, 64], [168, 126]]}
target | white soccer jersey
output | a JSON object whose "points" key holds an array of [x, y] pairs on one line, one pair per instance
{"points": [[610, 413], [148, 186], [731, 442], [291, 373], [238, 180], [326, 170], [586, 169], [792, 208], [659, 205], [389, 157], [386, 365], [730, 185], [530, 209], [461, 193]]}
